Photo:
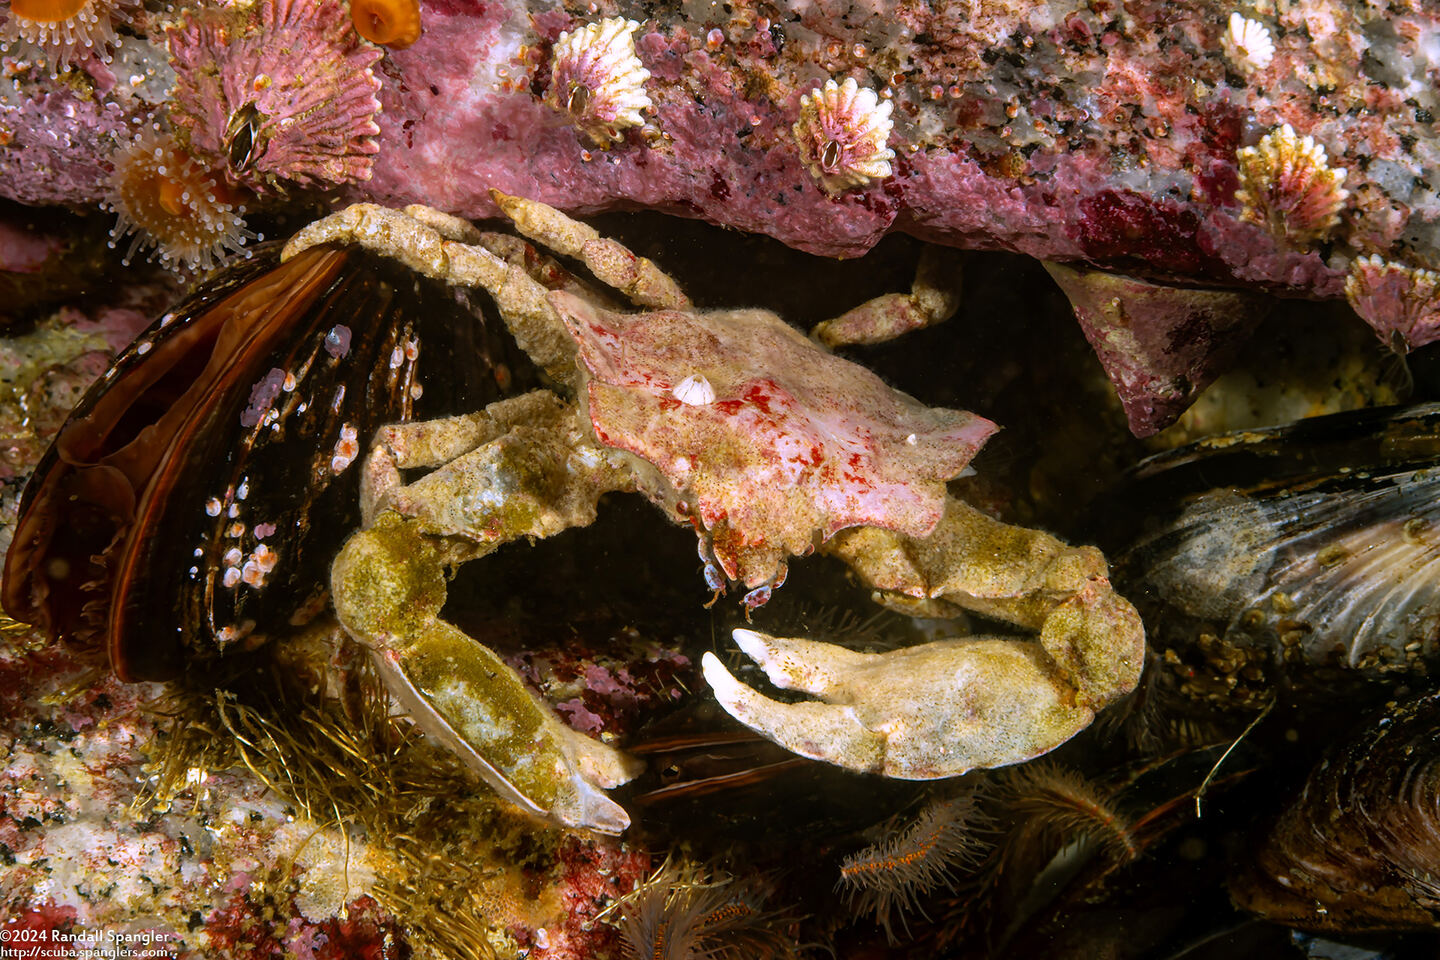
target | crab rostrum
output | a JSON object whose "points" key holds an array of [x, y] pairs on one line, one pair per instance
{"points": [[769, 446]]}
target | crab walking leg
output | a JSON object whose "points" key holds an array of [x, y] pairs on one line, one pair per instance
{"points": [[521, 468], [389, 587], [434, 443], [389, 232], [936, 710], [614, 264], [450, 250], [933, 298]]}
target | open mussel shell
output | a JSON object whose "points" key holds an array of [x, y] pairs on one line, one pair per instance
{"points": [[1359, 849], [1317, 541], [198, 492]]}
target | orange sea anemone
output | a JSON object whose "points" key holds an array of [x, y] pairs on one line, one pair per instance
{"points": [[390, 23], [170, 202], [67, 31]]}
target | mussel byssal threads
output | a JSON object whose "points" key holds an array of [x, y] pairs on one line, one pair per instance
{"points": [[66, 30], [171, 203], [390, 23]]}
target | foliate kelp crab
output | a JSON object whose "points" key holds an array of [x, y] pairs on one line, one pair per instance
{"points": [[732, 422]]}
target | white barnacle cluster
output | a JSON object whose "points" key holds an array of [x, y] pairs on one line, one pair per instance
{"points": [[1288, 185], [1247, 45], [841, 134], [598, 81]]}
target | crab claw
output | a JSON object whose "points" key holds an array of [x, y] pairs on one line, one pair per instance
{"points": [[920, 713]]}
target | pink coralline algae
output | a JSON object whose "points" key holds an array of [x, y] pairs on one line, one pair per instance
{"points": [[1402, 303], [795, 445], [56, 145], [1160, 345], [282, 91], [1015, 125]]}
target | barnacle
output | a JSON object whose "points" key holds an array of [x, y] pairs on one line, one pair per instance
{"points": [[841, 134], [66, 30], [694, 391], [391, 23], [170, 202], [1288, 185], [1247, 44], [283, 90], [597, 79], [1401, 302]]}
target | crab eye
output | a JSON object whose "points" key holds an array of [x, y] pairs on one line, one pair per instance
{"points": [[199, 490]]}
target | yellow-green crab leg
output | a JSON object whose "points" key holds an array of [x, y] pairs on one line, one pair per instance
{"points": [[389, 586]]}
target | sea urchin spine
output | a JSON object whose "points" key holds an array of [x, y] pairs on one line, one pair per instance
{"points": [[841, 134], [598, 81], [171, 203], [1288, 185]]}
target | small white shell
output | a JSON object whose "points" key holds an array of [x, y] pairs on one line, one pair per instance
{"points": [[841, 134], [1247, 45], [598, 81], [694, 391]]}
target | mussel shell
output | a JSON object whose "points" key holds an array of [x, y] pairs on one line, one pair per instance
{"points": [[1319, 540], [233, 412], [1359, 849]]}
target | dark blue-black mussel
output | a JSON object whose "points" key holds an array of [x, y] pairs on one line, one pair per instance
{"points": [[1315, 543], [196, 495]]}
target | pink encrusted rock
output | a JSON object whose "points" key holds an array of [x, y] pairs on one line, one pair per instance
{"points": [[25, 250], [54, 142], [1109, 134], [1160, 346], [283, 90], [770, 443]]}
